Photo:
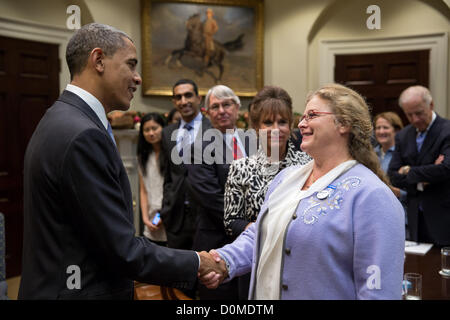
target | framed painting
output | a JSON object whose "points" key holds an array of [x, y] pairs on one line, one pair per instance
{"points": [[209, 41]]}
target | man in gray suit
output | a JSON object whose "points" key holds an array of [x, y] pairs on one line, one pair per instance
{"points": [[79, 238]]}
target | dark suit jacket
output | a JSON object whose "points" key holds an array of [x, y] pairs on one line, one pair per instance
{"points": [[206, 184], [174, 194], [78, 212], [435, 199]]}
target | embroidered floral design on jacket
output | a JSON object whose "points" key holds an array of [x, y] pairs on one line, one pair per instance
{"points": [[317, 207]]}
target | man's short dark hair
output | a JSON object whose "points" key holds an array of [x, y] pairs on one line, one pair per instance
{"points": [[185, 81], [89, 37]]}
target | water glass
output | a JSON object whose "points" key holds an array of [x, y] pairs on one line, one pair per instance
{"points": [[412, 286], [445, 262]]}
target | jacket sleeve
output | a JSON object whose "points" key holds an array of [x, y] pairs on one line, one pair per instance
{"points": [[239, 253], [379, 240], [433, 173], [93, 179]]}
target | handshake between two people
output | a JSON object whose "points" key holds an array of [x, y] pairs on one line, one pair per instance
{"points": [[212, 270]]}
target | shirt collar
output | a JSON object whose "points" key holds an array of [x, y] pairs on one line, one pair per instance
{"points": [[193, 122], [91, 101], [379, 150]]}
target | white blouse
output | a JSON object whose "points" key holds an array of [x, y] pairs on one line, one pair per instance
{"points": [[154, 182]]}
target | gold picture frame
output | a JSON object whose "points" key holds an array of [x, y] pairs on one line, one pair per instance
{"points": [[175, 45]]}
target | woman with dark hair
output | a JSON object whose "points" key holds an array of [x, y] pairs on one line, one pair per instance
{"points": [[174, 116], [271, 117], [151, 178]]}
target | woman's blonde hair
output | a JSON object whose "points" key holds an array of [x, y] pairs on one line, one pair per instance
{"points": [[351, 111]]}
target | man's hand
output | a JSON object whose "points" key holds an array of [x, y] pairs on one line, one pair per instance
{"points": [[404, 170], [439, 159], [212, 269]]}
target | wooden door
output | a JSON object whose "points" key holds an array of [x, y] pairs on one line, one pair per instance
{"points": [[381, 77], [29, 84]]}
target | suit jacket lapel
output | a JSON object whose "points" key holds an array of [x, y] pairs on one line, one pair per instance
{"points": [[74, 100], [411, 146], [170, 129], [430, 139]]}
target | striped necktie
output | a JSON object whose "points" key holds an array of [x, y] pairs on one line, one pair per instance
{"points": [[237, 153]]}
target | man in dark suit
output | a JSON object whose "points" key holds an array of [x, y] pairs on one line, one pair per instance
{"points": [[79, 238], [178, 213], [208, 174], [421, 165]]}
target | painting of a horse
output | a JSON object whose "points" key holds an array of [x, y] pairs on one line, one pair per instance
{"points": [[216, 42], [194, 50]]}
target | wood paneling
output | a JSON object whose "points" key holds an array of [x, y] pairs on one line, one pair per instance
{"points": [[381, 77], [29, 84]]}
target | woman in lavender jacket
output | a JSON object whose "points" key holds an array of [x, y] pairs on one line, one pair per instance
{"points": [[331, 229]]}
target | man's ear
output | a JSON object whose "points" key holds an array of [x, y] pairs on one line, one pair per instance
{"points": [[96, 58]]}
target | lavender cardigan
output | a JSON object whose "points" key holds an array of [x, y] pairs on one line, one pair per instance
{"points": [[348, 246]]}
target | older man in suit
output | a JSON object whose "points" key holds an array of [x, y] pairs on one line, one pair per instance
{"points": [[79, 238], [179, 213], [208, 174], [421, 165]]}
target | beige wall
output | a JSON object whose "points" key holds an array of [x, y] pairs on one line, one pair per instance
{"points": [[398, 18], [292, 31], [287, 24]]}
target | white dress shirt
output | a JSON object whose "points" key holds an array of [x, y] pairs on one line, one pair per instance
{"points": [[91, 101]]}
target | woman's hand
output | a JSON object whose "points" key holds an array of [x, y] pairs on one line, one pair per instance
{"points": [[150, 225]]}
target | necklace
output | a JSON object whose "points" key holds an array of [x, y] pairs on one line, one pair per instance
{"points": [[307, 185]]}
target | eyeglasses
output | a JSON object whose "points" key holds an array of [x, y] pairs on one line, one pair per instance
{"points": [[226, 105], [312, 114]]}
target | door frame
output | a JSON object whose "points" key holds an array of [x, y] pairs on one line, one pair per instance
{"points": [[437, 43], [26, 30]]}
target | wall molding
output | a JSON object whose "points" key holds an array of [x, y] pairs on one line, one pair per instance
{"points": [[26, 30], [437, 43]]}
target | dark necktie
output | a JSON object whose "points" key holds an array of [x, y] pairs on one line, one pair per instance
{"points": [[186, 138]]}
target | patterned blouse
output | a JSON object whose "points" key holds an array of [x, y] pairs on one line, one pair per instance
{"points": [[247, 183]]}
